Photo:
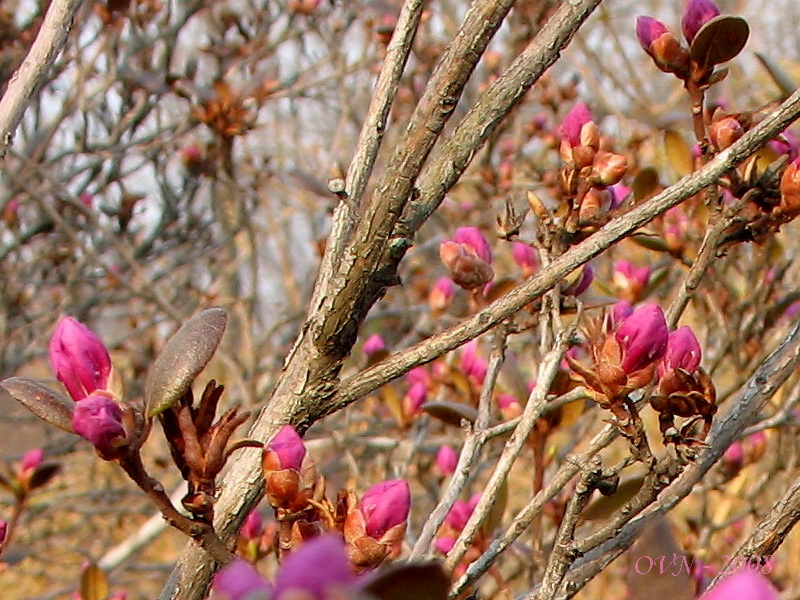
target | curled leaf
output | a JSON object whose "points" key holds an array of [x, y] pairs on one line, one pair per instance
{"points": [[679, 153], [450, 412], [719, 40], [184, 356], [45, 403]]}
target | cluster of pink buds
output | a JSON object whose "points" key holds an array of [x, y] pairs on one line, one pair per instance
{"points": [[453, 524], [627, 349], [468, 257], [321, 570], [373, 526], [684, 389], [81, 362], [589, 170]]}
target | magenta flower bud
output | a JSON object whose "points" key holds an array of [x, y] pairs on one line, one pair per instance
{"points": [[510, 407], [472, 237], [648, 30], [253, 526], [444, 544], [3, 532], [31, 460], [415, 397], [733, 458], [683, 352], [79, 359], [572, 125], [472, 365], [98, 419], [418, 375], [446, 460], [696, 14], [384, 506], [318, 570], [619, 193], [442, 294], [373, 344], [461, 511], [630, 280], [619, 312], [287, 446], [239, 580], [663, 47], [642, 338], [744, 585], [525, 257], [583, 282]]}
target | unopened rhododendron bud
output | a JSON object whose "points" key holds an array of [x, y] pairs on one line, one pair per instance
{"points": [[471, 363], [446, 460], [385, 506], [630, 280], [724, 132], [239, 580], [744, 585], [609, 167], [3, 532], [79, 359], [582, 283], [663, 47], [571, 128], [468, 257], [253, 526], [373, 344], [441, 294], [510, 407], [415, 397], [98, 419], [31, 460], [696, 14], [642, 338], [683, 352], [525, 257], [286, 450], [790, 189]]}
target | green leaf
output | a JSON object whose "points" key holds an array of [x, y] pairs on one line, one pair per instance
{"points": [[45, 403], [184, 356], [719, 40], [409, 581]]}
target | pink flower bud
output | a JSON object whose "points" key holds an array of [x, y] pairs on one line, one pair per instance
{"points": [[442, 294], [78, 358], [724, 132], [683, 352], [573, 123], [461, 512], [444, 544], [253, 526], [3, 532], [630, 280], [415, 397], [98, 419], [790, 189], [510, 407], [31, 460], [582, 284], [446, 460], [466, 267], [473, 238], [619, 312], [525, 257], [318, 570], [733, 458], [642, 338], [384, 506], [663, 47], [373, 344], [287, 448], [239, 580], [744, 585], [472, 365], [696, 14], [619, 193], [609, 167], [418, 375], [648, 30]]}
